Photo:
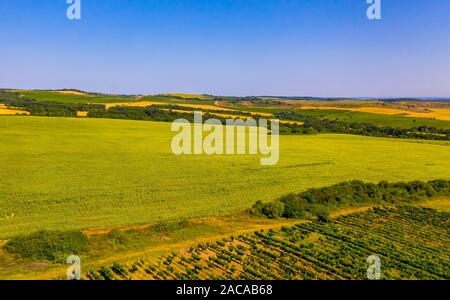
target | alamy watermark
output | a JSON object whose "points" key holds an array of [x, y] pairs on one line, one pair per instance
{"points": [[231, 139], [374, 10], [374, 270], [74, 270], [73, 12]]}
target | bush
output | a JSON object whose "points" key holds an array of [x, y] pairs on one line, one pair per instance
{"points": [[271, 210], [322, 214], [118, 237], [168, 227], [49, 245], [106, 273], [119, 269]]}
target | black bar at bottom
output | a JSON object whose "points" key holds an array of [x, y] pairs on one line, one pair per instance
{"points": [[224, 289]]}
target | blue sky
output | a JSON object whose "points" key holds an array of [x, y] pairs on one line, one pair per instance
{"points": [[229, 47]]}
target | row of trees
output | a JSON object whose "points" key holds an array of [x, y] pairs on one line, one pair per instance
{"points": [[318, 202], [314, 125], [216, 111], [141, 113], [169, 113]]}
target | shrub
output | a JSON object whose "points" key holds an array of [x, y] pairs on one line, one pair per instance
{"points": [[272, 209], [106, 273], [118, 237], [119, 269], [167, 227], [48, 245]]}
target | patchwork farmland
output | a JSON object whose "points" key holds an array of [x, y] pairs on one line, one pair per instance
{"points": [[113, 184], [108, 173]]}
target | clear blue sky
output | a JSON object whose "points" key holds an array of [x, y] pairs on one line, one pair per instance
{"points": [[229, 47]]}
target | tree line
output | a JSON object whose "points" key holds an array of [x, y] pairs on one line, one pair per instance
{"points": [[216, 111], [314, 125], [319, 202], [168, 113]]}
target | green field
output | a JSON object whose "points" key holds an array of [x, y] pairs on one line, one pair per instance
{"points": [[51, 96], [177, 99], [63, 173]]}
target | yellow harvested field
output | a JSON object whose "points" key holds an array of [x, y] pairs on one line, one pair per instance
{"points": [[205, 106], [131, 104], [262, 114], [211, 113], [12, 111], [70, 93], [235, 116], [247, 117], [291, 122], [189, 96], [231, 116], [338, 103], [213, 107], [82, 114], [435, 113]]}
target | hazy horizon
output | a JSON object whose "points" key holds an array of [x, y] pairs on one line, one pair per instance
{"points": [[242, 96], [323, 48]]}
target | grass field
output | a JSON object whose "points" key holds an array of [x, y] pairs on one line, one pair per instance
{"points": [[411, 243], [73, 97], [62, 173], [60, 97]]}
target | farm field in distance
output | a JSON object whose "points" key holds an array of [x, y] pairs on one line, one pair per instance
{"points": [[373, 112], [71, 97], [400, 114]]}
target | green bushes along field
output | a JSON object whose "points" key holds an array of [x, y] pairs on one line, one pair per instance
{"points": [[48, 245], [317, 202]]}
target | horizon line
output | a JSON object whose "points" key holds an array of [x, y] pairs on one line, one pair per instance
{"points": [[234, 96]]}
